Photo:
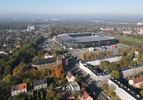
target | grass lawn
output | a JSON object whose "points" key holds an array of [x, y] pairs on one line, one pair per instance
{"points": [[129, 40]]}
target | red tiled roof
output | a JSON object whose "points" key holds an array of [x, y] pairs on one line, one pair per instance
{"points": [[85, 95], [138, 79], [22, 86], [19, 87], [70, 97], [46, 54]]}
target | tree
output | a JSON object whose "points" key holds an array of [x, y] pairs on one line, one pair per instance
{"points": [[52, 94], [59, 96], [52, 86], [141, 86], [141, 93], [78, 78], [58, 73], [105, 87], [115, 74], [54, 55], [83, 56], [7, 70], [7, 78]]}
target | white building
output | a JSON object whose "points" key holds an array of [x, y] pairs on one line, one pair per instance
{"points": [[122, 91], [127, 32], [46, 55], [30, 28], [136, 82], [93, 73], [70, 77], [40, 84], [18, 89], [2, 52], [73, 86], [91, 49], [103, 76], [139, 23], [111, 59], [140, 30]]}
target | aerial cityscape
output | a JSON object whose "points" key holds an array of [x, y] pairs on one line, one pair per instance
{"points": [[71, 50]]}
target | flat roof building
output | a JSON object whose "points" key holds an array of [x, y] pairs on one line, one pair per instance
{"points": [[122, 91]]}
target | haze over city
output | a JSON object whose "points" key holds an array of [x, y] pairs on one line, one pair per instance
{"points": [[71, 8]]}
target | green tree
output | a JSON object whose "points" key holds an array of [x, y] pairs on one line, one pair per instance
{"points": [[7, 78], [115, 74], [78, 78], [141, 93], [7, 70]]}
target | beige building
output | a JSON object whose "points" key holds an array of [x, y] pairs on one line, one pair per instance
{"points": [[40, 84], [70, 77], [49, 63]]}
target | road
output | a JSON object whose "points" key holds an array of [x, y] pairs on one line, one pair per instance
{"points": [[92, 88]]}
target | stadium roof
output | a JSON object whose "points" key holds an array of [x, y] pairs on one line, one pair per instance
{"points": [[84, 37]]}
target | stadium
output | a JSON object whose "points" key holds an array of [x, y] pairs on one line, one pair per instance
{"points": [[84, 40]]}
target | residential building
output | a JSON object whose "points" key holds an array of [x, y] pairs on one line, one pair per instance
{"points": [[105, 75], [70, 77], [30, 28], [136, 82], [73, 86], [18, 89], [46, 55], [113, 58], [122, 91], [127, 32], [94, 74], [40, 84], [85, 95]]}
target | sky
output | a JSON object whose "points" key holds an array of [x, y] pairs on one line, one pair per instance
{"points": [[72, 7]]}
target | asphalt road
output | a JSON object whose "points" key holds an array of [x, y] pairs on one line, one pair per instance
{"points": [[92, 88]]}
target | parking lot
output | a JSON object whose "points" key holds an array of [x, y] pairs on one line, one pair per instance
{"points": [[113, 51]]}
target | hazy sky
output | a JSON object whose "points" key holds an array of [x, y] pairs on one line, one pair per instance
{"points": [[71, 7]]}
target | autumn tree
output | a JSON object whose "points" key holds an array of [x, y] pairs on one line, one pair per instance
{"points": [[58, 73], [58, 69], [54, 55], [83, 56]]}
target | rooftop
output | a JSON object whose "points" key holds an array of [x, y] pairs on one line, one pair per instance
{"points": [[132, 93], [40, 81], [19, 87], [84, 37], [44, 61], [69, 74], [46, 54], [102, 73], [84, 94], [75, 85], [138, 79]]}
